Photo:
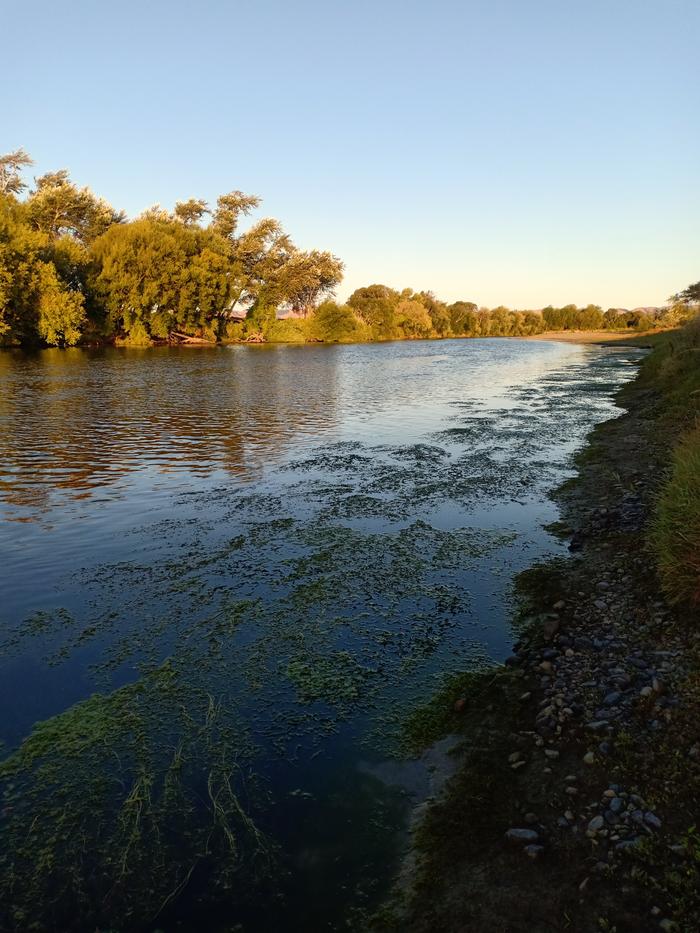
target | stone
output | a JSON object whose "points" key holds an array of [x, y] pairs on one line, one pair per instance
{"points": [[651, 819], [459, 705], [534, 851], [551, 753], [597, 726], [522, 836], [589, 758], [596, 824], [612, 698], [550, 627]]}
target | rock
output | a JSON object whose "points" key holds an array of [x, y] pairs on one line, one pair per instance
{"points": [[600, 604], [550, 627], [530, 818], [459, 705], [551, 753], [522, 836], [646, 692], [651, 819], [534, 851], [597, 726], [560, 604], [596, 824], [589, 758], [627, 845], [616, 805], [515, 756], [612, 698]]}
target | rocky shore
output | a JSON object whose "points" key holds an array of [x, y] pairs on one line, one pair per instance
{"points": [[576, 801]]}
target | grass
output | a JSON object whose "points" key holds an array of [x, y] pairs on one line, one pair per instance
{"points": [[676, 532], [673, 370]]}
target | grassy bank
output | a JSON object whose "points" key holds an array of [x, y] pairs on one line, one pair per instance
{"points": [[587, 742]]}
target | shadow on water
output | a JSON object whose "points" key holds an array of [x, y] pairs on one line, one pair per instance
{"points": [[235, 573]]}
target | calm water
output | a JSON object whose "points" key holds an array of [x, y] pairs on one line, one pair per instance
{"points": [[287, 549]]}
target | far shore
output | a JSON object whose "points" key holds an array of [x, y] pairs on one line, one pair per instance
{"points": [[594, 336]]}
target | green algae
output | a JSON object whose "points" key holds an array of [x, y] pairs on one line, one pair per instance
{"points": [[111, 807]]}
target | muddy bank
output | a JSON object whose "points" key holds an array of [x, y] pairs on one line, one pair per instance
{"points": [[575, 804]]}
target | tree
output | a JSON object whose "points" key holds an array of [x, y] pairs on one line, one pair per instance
{"points": [[333, 322], [375, 305], [191, 211], [306, 277], [57, 207], [229, 209], [413, 318], [689, 295], [35, 304], [462, 316], [11, 166]]}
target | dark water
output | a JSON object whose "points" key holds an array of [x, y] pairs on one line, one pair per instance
{"points": [[261, 560]]}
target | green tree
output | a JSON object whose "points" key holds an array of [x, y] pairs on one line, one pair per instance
{"points": [[376, 305], [413, 318], [57, 207]]}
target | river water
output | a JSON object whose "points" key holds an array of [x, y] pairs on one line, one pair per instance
{"points": [[257, 561]]}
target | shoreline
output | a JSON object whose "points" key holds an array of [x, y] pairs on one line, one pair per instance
{"points": [[575, 802], [599, 337]]}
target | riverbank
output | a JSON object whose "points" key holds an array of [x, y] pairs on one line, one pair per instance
{"points": [[601, 337], [576, 800]]}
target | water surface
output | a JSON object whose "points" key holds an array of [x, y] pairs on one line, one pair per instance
{"points": [[275, 553]]}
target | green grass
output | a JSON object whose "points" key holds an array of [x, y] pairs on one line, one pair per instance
{"points": [[676, 530], [673, 371]]}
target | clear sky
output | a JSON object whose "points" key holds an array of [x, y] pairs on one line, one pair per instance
{"points": [[502, 151]]}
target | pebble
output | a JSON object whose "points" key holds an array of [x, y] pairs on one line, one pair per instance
{"points": [[651, 819], [534, 851], [596, 824], [522, 836], [589, 758], [612, 698]]}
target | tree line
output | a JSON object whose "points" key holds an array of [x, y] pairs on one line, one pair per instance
{"points": [[74, 270]]}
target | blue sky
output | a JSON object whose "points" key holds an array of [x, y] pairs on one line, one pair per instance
{"points": [[502, 151]]}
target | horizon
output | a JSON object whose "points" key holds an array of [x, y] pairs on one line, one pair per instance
{"points": [[535, 124]]}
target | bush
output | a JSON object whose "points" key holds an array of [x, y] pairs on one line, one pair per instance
{"points": [[676, 530]]}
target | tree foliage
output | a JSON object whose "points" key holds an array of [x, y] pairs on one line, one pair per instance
{"points": [[73, 268]]}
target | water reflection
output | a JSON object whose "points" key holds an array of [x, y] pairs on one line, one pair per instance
{"points": [[82, 420]]}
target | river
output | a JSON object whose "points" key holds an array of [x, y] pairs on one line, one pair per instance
{"points": [[256, 562]]}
